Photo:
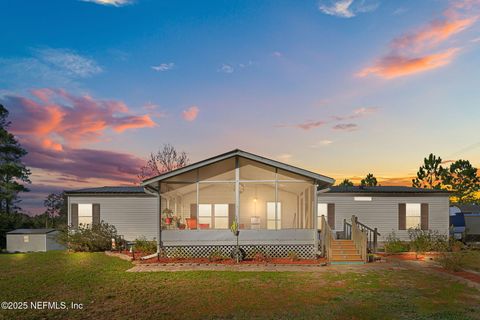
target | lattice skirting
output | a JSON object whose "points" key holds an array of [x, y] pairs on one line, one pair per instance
{"points": [[273, 251]]}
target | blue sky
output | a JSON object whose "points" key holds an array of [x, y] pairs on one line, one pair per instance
{"points": [[341, 87]]}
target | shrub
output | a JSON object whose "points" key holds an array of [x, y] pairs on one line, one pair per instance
{"points": [[394, 244], [427, 240], [98, 237], [145, 246], [453, 261]]}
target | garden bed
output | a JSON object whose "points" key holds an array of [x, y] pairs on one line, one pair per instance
{"points": [[285, 261]]}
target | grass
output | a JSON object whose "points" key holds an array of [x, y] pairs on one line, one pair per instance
{"points": [[472, 260], [108, 292]]}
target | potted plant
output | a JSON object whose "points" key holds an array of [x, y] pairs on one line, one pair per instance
{"points": [[168, 215]]}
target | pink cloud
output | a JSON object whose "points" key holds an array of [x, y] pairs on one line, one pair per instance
{"points": [[191, 113], [411, 52], [308, 125], [396, 66], [59, 117]]}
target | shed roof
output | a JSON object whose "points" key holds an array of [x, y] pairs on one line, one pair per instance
{"points": [[244, 154], [468, 207], [31, 231], [385, 189]]}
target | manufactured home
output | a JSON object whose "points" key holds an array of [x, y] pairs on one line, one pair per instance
{"points": [[279, 208]]}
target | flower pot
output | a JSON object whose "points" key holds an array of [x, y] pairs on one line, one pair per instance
{"points": [[168, 220], [181, 226]]}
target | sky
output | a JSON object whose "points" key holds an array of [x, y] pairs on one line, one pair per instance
{"points": [[339, 87]]}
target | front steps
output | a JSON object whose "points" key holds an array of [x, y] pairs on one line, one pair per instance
{"points": [[345, 252]]}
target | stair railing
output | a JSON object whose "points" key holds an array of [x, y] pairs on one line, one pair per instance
{"points": [[372, 234], [326, 239], [359, 237]]}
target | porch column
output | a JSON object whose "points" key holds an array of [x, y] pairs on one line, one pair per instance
{"points": [[159, 225], [315, 216], [237, 190]]}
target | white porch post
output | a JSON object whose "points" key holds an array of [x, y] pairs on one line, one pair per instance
{"points": [[159, 224], [315, 215], [237, 190]]}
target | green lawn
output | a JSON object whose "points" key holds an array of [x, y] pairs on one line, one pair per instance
{"points": [[472, 260], [100, 283]]}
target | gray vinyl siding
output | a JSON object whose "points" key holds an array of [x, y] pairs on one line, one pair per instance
{"points": [[382, 211], [16, 243], [132, 216]]}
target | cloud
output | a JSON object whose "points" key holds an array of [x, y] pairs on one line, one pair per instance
{"points": [[412, 53], [357, 113], [345, 127], [84, 163], [115, 3], [164, 67], [322, 143], [308, 125], [226, 68], [277, 54], [68, 60], [396, 66], [347, 8], [47, 67], [55, 118], [191, 113]]}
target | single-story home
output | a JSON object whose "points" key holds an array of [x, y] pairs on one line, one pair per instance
{"points": [[33, 240], [278, 207]]}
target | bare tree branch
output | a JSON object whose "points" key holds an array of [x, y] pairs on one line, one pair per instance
{"points": [[166, 159]]}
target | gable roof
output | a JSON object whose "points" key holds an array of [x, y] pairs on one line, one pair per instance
{"points": [[384, 189], [468, 207], [244, 154], [109, 190], [31, 231]]}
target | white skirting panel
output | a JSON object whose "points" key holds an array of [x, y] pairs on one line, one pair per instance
{"points": [[246, 237]]}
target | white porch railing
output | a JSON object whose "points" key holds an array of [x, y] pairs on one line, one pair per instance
{"points": [[359, 237], [326, 239]]}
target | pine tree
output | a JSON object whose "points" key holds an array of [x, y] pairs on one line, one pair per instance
{"points": [[346, 183], [462, 180], [13, 173], [431, 174], [369, 181]]}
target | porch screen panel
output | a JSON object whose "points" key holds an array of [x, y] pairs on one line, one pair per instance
{"points": [[253, 204], [179, 204], [297, 205], [217, 196]]}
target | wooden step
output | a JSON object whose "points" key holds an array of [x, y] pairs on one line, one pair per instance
{"points": [[346, 257], [344, 251], [345, 247]]}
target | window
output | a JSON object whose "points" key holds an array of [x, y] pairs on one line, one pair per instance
{"points": [[213, 216], [204, 216], [362, 198], [85, 214], [413, 214], [26, 239], [272, 221], [321, 211], [221, 216]]}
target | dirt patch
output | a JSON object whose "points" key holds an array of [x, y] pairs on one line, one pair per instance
{"points": [[475, 277]]}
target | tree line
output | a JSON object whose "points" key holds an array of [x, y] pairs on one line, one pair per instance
{"points": [[460, 178]]}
